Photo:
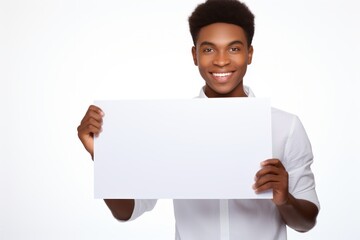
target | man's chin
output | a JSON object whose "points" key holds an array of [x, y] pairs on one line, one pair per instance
{"points": [[217, 91], [224, 91]]}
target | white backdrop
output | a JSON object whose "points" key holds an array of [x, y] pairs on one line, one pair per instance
{"points": [[56, 57]]}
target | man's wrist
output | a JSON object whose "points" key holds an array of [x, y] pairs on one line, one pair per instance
{"points": [[285, 202]]}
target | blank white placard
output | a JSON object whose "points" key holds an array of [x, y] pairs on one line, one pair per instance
{"points": [[182, 149]]}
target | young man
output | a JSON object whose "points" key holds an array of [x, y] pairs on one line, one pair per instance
{"points": [[222, 31]]}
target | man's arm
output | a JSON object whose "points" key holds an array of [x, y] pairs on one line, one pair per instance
{"points": [[89, 127], [121, 209], [297, 213]]}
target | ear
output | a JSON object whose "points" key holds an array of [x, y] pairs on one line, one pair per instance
{"points": [[193, 52], [250, 54]]}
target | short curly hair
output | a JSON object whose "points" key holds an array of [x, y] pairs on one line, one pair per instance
{"points": [[224, 11]]}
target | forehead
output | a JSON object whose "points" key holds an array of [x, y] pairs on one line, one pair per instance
{"points": [[221, 33]]}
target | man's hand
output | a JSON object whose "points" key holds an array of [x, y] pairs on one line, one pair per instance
{"points": [[89, 127], [298, 214], [273, 175]]}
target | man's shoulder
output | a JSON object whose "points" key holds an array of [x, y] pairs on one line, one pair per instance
{"points": [[283, 121], [278, 114]]}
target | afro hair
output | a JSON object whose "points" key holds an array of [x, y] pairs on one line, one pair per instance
{"points": [[222, 11]]}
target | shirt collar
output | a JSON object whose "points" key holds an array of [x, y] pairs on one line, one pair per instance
{"points": [[247, 91]]}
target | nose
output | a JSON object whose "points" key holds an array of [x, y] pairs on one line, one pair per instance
{"points": [[221, 59]]}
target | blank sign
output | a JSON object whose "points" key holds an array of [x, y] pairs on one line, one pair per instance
{"points": [[182, 149]]}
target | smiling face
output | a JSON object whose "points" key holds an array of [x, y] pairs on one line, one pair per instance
{"points": [[222, 55]]}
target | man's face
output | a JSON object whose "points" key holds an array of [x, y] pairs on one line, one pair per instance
{"points": [[222, 55]]}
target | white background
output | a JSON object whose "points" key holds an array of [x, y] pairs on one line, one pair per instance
{"points": [[56, 57]]}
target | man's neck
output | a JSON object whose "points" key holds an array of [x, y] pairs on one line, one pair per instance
{"points": [[237, 92]]}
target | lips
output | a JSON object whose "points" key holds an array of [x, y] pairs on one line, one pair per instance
{"points": [[221, 77], [221, 74]]}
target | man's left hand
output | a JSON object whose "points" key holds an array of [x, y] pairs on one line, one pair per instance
{"points": [[273, 175]]}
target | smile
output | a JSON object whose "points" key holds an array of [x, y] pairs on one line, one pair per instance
{"points": [[221, 74]]}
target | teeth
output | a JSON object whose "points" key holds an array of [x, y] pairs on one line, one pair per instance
{"points": [[222, 74]]}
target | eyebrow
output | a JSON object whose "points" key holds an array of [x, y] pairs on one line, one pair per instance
{"points": [[212, 44]]}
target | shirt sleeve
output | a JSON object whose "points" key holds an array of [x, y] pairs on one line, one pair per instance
{"points": [[141, 206], [299, 157]]}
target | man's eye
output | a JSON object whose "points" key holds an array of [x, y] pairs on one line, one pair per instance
{"points": [[234, 49], [208, 50]]}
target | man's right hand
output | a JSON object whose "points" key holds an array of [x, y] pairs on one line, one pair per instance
{"points": [[89, 127]]}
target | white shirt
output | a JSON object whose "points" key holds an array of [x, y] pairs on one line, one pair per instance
{"points": [[248, 219]]}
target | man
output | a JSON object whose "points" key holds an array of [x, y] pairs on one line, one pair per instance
{"points": [[222, 31]]}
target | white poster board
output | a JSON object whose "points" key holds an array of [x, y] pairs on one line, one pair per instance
{"points": [[182, 149]]}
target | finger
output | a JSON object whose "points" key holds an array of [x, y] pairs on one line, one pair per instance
{"points": [[265, 187], [273, 161], [266, 179], [89, 132], [96, 109], [92, 115], [92, 127], [267, 170], [94, 122], [85, 127]]}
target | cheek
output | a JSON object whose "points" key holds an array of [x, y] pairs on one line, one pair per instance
{"points": [[240, 61], [204, 62]]}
